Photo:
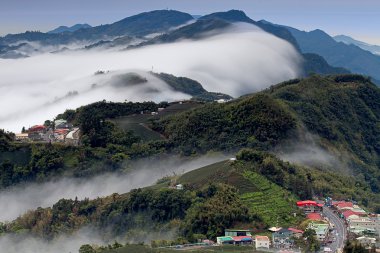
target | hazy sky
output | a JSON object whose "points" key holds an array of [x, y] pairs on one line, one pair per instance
{"points": [[360, 19]]}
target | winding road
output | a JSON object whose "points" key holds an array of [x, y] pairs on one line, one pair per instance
{"points": [[340, 230]]}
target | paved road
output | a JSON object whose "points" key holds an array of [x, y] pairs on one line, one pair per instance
{"points": [[340, 229]]}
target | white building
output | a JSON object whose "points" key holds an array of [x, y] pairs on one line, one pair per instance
{"points": [[262, 242], [366, 241]]}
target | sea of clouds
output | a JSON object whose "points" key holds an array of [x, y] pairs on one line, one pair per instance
{"points": [[236, 61]]}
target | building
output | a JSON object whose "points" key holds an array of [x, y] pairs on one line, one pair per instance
{"points": [[72, 138], [364, 225], [314, 216], [310, 206], [366, 241], [296, 232], [282, 239], [321, 230], [22, 137], [341, 206], [179, 186], [237, 232], [222, 240], [242, 240], [349, 215], [262, 242], [235, 240], [61, 124]]}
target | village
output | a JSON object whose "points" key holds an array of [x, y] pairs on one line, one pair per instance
{"points": [[58, 131], [334, 222]]}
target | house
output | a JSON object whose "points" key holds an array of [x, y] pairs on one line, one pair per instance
{"points": [[222, 240], [179, 186], [363, 225], [343, 205], [22, 137], [242, 240], [37, 128], [237, 232], [72, 138], [321, 230], [349, 215], [296, 232], [282, 239], [262, 242], [366, 241], [59, 134], [314, 216], [310, 206], [61, 124]]}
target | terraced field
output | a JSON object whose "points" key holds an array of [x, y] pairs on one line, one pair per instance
{"points": [[264, 198], [272, 203]]}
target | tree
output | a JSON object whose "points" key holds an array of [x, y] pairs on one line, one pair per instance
{"points": [[87, 248], [312, 243]]}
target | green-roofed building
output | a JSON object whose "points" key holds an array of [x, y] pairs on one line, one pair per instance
{"points": [[237, 232], [224, 240]]}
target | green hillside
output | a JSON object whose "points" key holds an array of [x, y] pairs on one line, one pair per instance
{"points": [[341, 111]]}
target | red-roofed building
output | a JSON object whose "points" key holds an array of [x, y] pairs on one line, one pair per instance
{"points": [[242, 239], [314, 216], [296, 232], [310, 206], [344, 205], [349, 214], [37, 128]]}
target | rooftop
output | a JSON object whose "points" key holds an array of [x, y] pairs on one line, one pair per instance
{"points": [[314, 216], [261, 238], [295, 230]]}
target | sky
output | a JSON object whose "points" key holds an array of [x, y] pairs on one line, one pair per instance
{"points": [[359, 19]]}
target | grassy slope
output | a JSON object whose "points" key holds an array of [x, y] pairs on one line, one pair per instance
{"points": [[139, 124]]}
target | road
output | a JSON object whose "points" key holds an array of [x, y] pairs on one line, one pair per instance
{"points": [[340, 229]]}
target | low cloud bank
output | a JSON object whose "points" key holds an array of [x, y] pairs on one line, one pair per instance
{"points": [[306, 150], [236, 61]]}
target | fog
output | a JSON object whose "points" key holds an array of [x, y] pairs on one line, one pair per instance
{"points": [[306, 150], [236, 61], [62, 244], [17, 200]]}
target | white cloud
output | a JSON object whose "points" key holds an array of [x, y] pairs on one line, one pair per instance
{"points": [[238, 61]]}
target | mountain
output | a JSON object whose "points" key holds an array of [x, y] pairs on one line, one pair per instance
{"points": [[196, 30], [240, 16], [213, 23], [138, 25], [348, 40], [341, 111], [73, 28], [338, 54]]}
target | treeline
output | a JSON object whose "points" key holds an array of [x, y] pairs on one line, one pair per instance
{"points": [[257, 121], [5, 139], [198, 213]]}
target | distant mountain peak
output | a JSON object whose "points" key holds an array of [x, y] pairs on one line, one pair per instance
{"points": [[73, 28], [231, 15]]}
